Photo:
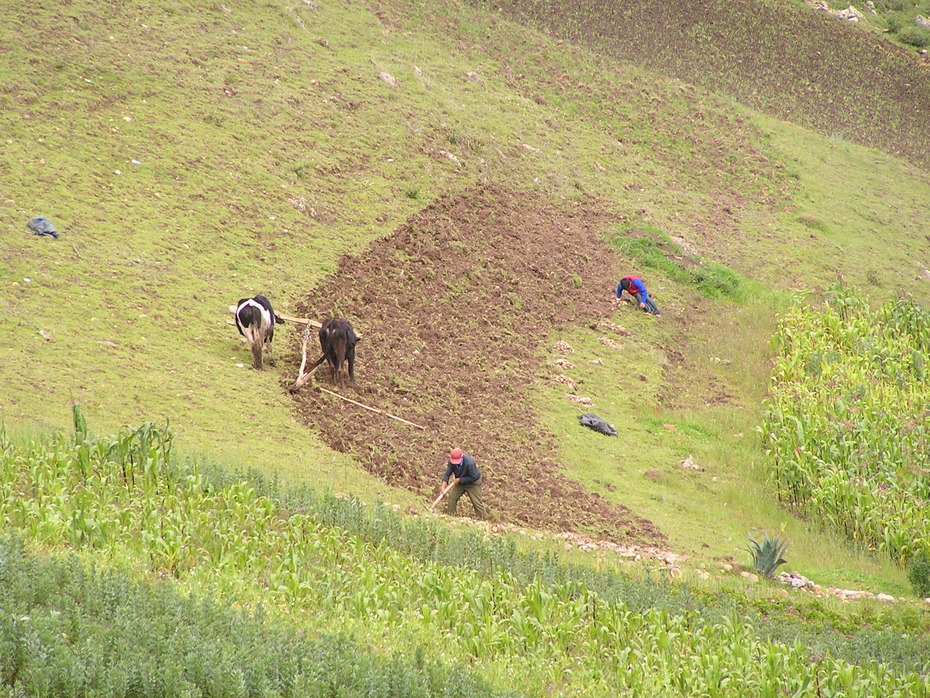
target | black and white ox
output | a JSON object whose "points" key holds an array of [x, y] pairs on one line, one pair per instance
{"points": [[256, 320], [338, 340]]}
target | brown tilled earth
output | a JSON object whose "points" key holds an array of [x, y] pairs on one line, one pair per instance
{"points": [[455, 309]]}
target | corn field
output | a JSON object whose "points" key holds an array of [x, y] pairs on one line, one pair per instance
{"points": [[126, 501], [848, 420]]}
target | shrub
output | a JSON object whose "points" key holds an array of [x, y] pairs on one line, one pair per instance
{"points": [[914, 36], [767, 555], [918, 573], [895, 22]]}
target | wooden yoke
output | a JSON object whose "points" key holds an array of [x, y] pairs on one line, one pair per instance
{"points": [[299, 320]]}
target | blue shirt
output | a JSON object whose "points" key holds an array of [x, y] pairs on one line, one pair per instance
{"points": [[466, 471], [637, 288]]}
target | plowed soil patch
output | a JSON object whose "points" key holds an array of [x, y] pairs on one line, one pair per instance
{"points": [[455, 308]]}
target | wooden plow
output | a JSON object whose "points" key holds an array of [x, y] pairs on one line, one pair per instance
{"points": [[371, 409], [304, 376]]}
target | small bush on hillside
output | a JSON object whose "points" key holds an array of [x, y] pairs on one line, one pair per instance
{"points": [[918, 573], [767, 555], [895, 22], [714, 280], [914, 36], [813, 223]]}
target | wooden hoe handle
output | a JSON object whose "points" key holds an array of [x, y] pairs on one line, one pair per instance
{"points": [[441, 495]]}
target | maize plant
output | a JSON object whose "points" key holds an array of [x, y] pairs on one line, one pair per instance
{"points": [[552, 635], [847, 424]]}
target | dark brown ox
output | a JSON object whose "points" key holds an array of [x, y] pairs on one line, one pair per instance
{"points": [[338, 340]]}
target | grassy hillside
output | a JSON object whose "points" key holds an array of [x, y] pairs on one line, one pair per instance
{"points": [[259, 166], [465, 188]]}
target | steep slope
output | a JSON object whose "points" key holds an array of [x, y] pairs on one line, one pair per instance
{"points": [[193, 155]]}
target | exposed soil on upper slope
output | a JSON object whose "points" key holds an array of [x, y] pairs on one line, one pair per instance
{"points": [[455, 310], [782, 59]]}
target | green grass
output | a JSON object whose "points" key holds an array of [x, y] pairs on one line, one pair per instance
{"points": [[655, 250], [866, 226]]}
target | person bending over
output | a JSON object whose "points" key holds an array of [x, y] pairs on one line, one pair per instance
{"points": [[637, 290], [466, 479]]}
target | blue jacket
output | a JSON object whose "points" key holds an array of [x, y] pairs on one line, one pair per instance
{"points": [[466, 471], [637, 290]]}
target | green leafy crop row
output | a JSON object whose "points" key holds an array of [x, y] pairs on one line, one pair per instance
{"points": [[848, 420], [126, 499], [66, 630]]}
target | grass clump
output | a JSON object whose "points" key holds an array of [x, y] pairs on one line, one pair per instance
{"points": [[913, 35], [654, 249], [813, 223], [895, 22]]}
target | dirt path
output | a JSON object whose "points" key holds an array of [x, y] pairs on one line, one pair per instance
{"points": [[454, 308]]}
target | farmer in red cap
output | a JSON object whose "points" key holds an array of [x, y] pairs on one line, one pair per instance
{"points": [[466, 479]]}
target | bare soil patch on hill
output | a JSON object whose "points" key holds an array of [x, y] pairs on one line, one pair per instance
{"points": [[456, 309]]}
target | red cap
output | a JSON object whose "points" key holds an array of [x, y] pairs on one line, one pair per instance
{"points": [[455, 456]]}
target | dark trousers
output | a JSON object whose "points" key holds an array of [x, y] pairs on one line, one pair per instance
{"points": [[474, 494], [651, 308]]}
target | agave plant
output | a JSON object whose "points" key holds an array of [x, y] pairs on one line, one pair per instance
{"points": [[767, 555]]}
